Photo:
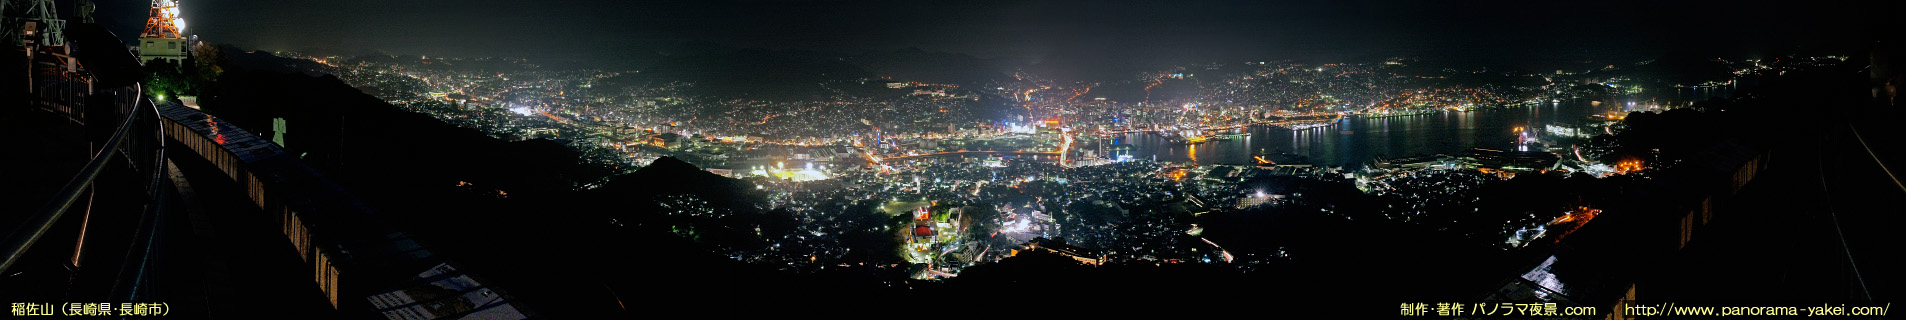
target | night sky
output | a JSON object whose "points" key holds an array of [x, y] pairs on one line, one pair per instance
{"points": [[1111, 32]]}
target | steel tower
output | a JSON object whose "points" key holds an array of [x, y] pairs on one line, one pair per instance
{"points": [[163, 38]]}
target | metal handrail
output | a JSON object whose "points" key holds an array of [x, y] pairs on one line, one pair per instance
{"points": [[29, 232], [133, 272]]}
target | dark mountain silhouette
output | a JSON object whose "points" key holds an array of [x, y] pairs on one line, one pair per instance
{"points": [[242, 59], [668, 175], [1684, 68], [728, 72], [766, 74], [914, 64]]}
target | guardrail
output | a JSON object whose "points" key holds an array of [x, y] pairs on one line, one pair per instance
{"points": [[127, 142]]}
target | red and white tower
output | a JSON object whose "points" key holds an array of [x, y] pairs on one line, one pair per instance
{"points": [[164, 37]]}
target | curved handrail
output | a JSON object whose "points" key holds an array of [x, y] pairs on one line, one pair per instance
{"points": [[29, 232], [133, 283]]}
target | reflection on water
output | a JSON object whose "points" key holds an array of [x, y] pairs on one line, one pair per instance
{"points": [[1357, 140], [1191, 152]]}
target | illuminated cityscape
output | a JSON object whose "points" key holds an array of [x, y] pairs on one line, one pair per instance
{"points": [[791, 155]]}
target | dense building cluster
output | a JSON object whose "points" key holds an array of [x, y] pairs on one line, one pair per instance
{"points": [[877, 172]]}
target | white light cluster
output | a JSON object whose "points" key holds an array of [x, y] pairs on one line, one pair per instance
{"points": [[172, 11]]}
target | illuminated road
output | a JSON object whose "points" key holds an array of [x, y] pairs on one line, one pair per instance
{"points": [[553, 117], [961, 153], [1148, 88], [1288, 124], [1081, 93]]}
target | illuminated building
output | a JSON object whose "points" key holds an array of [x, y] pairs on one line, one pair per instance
{"points": [[164, 37]]}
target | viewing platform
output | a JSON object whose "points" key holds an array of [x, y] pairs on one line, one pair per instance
{"points": [[180, 209]]}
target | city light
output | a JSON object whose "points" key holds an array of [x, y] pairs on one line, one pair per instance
{"points": [[523, 110], [1082, 160]]}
